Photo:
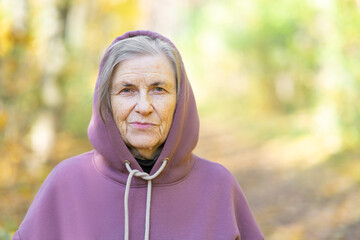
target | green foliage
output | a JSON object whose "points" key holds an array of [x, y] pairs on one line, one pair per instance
{"points": [[286, 56], [5, 235]]}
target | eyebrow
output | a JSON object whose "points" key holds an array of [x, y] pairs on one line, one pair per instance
{"points": [[158, 83], [128, 84]]}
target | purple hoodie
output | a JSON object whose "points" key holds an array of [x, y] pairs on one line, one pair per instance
{"points": [[192, 198]]}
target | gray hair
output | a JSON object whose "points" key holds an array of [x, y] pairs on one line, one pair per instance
{"points": [[126, 49]]}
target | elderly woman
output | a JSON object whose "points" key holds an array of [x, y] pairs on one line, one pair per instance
{"points": [[142, 180]]}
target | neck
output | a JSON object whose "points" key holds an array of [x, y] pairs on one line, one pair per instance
{"points": [[146, 154]]}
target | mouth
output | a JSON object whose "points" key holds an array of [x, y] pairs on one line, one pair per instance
{"points": [[142, 125]]}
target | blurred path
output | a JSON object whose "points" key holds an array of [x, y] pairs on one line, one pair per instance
{"points": [[292, 196]]}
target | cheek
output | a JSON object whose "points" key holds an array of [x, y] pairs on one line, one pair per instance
{"points": [[120, 116], [120, 110], [167, 110]]}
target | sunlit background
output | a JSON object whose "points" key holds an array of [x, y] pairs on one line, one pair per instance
{"points": [[277, 84]]}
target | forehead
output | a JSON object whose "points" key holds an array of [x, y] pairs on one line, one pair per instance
{"points": [[145, 67]]}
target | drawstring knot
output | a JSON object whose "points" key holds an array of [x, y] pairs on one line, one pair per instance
{"points": [[148, 178]]}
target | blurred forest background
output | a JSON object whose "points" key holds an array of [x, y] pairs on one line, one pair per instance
{"points": [[277, 85]]}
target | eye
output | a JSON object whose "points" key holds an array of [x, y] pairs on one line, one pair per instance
{"points": [[126, 91], [159, 89]]}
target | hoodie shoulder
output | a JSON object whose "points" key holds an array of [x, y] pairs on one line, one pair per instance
{"points": [[73, 163], [65, 171], [68, 170], [215, 169], [61, 185], [76, 161], [226, 189]]}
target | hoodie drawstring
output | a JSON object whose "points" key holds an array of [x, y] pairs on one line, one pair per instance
{"points": [[148, 178]]}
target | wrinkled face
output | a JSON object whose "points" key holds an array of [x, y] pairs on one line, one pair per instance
{"points": [[143, 100]]}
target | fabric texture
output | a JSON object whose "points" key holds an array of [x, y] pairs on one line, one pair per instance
{"points": [[191, 198]]}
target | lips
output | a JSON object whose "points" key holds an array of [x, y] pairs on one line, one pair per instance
{"points": [[142, 125]]}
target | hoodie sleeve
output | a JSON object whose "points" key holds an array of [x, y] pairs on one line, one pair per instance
{"points": [[16, 236], [248, 228], [40, 220]]}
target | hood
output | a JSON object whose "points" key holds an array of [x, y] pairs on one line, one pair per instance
{"points": [[111, 151]]}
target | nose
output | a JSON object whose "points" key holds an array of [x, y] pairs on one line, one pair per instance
{"points": [[144, 105]]}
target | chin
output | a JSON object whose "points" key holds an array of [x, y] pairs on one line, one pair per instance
{"points": [[141, 143]]}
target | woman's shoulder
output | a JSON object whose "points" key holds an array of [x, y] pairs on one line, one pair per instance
{"points": [[70, 167], [214, 170], [76, 161]]}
